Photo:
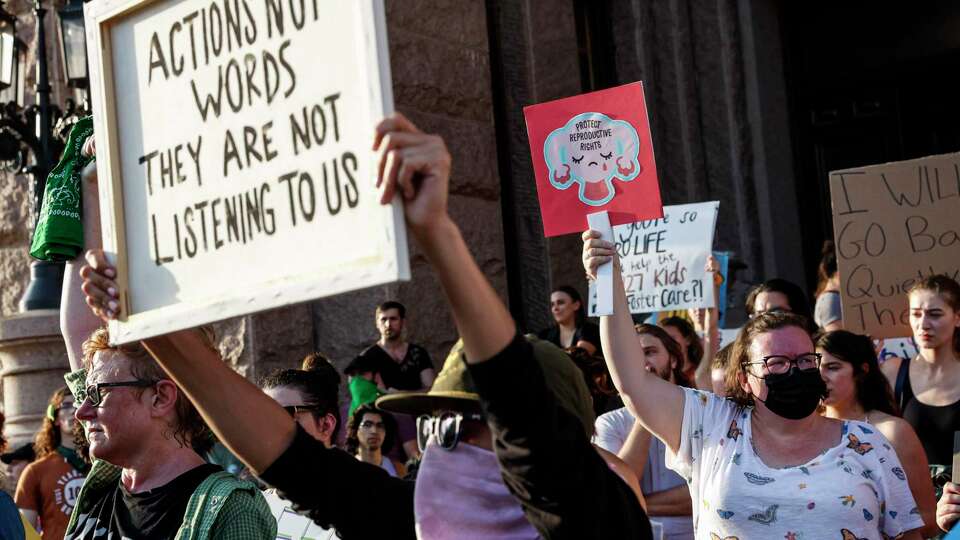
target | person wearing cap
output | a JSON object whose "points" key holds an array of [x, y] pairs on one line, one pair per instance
{"points": [[14, 463], [507, 456], [47, 490]]}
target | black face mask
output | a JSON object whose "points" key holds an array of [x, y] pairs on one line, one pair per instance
{"points": [[795, 394]]}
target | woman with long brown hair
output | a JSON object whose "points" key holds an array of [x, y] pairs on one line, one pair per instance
{"points": [[761, 463], [856, 390], [49, 486]]}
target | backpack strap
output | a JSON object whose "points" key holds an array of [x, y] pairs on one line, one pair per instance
{"points": [[902, 373], [207, 501]]}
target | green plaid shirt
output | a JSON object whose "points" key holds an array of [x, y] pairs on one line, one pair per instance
{"points": [[222, 508]]}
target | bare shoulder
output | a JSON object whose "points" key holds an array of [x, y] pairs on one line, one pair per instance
{"points": [[897, 430]]}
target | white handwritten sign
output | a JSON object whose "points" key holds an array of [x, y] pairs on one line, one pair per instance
{"points": [[234, 155], [898, 347], [663, 260], [291, 525]]}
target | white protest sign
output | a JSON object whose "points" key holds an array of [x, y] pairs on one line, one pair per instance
{"points": [[601, 289], [899, 347], [234, 155], [728, 336], [291, 525], [663, 260]]}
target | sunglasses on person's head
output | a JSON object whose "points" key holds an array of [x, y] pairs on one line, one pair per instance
{"points": [[444, 429], [95, 397], [771, 310], [294, 410]]}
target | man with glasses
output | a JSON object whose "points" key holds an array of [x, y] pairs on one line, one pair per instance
{"points": [[147, 481], [371, 435]]}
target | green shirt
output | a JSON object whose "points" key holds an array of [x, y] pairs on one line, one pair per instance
{"points": [[362, 392], [223, 507]]}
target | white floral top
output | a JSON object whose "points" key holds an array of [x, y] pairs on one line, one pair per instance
{"points": [[856, 490]]}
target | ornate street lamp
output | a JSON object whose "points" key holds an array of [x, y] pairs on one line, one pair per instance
{"points": [[32, 128], [73, 44], [8, 38], [13, 53]]}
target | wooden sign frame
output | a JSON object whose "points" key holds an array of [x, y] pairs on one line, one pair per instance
{"points": [[391, 265]]}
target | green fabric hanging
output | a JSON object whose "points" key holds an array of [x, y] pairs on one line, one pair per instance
{"points": [[59, 234]]}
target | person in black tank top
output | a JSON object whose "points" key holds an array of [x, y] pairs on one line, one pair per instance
{"points": [[935, 321], [934, 424]]}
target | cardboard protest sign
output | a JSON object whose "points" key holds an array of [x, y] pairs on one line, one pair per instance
{"points": [[234, 155], [591, 153], [663, 260], [894, 224]]}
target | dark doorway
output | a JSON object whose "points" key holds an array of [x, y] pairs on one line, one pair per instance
{"points": [[871, 83]]}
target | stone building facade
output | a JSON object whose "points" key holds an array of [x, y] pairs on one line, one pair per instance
{"points": [[729, 89]]}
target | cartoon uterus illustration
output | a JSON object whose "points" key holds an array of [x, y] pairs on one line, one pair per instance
{"points": [[591, 150]]}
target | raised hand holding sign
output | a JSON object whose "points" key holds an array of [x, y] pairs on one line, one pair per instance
{"points": [[593, 159]]}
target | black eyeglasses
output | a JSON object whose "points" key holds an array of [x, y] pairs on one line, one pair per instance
{"points": [[778, 364], [370, 424], [95, 397], [444, 429], [294, 410]]}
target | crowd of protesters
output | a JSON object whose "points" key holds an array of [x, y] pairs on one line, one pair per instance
{"points": [[611, 430]]}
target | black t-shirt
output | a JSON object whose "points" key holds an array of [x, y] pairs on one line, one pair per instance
{"points": [[156, 514], [338, 491], [404, 375], [586, 331]]}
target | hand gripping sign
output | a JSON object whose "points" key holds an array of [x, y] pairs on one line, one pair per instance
{"points": [[593, 160]]}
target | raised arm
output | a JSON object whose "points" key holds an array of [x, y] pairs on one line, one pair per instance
{"points": [[709, 321], [77, 322], [408, 157], [657, 404]]}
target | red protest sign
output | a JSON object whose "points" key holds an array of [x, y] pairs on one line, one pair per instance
{"points": [[593, 152]]}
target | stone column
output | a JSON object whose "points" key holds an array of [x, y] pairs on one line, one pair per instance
{"points": [[33, 360]]}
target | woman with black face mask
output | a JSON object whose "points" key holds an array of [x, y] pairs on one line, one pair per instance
{"points": [[762, 463]]}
